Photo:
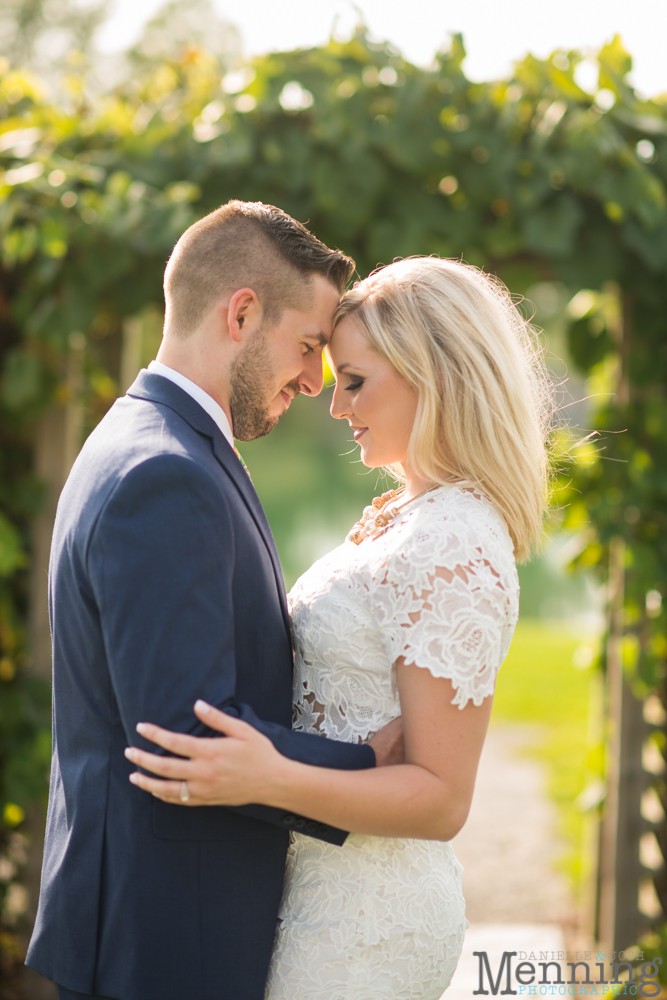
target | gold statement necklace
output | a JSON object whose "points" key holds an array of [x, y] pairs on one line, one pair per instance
{"points": [[378, 515]]}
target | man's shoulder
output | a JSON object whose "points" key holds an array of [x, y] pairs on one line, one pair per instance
{"points": [[136, 430], [137, 439]]}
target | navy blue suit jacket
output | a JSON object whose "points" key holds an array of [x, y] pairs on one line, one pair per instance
{"points": [[165, 587]]}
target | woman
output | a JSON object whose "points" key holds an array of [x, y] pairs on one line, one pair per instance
{"points": [[440, 380]]}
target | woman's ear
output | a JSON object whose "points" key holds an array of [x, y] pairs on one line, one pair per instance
{"points": [[244, 313]]}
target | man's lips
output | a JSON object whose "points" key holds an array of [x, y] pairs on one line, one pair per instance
{"points": [[287, 399]]}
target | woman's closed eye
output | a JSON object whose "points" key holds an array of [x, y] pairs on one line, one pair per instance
{"points": [[353, 386]]}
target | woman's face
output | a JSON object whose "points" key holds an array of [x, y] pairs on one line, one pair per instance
{"points": [[378, 403]]}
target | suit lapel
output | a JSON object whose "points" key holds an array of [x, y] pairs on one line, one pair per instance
{"points": [[241, 479], [161, 390]]}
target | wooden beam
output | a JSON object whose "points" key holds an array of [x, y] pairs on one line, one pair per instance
{"points": [[619, 919], [58, 439]]}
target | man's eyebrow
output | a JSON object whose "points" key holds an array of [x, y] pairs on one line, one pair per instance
{"points": [[321, 338]]}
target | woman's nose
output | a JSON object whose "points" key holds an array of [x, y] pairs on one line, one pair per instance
{"points": [[338, 409]]}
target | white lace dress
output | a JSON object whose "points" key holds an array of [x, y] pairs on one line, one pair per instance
{"points": [[380, 918]]}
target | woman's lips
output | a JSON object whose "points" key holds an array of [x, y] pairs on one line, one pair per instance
{"points": [[358, 431]]}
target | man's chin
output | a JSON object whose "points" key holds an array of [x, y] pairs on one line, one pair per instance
{"points": [[271, 418], [258, 431], [252, 422]]}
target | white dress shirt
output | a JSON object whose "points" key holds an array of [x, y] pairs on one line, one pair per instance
{"points": [[206, 402]]}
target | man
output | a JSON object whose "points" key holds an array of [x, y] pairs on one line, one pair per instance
{"points": [[165, 587]]}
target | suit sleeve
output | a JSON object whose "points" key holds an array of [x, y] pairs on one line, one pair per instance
{"points": [[160, 561]]}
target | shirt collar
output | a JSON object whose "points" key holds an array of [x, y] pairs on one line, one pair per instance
{"points": [[206, 402]]}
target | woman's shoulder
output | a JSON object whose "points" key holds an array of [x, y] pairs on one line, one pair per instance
{"points": [[455, 515], [452, 531], [448, 596]]}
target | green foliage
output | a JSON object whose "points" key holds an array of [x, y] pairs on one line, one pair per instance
{"points": [[12, 556], [180, 25], [653, 946], [32, 26]]}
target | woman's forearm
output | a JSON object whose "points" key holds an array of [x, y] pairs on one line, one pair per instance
{"points": [[401, 801], [428, 797]]}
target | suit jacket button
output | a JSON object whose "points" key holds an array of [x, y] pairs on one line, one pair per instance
{"points": [[288, 819], [298, 823], [312, 827]]}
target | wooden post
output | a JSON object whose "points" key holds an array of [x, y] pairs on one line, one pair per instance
{"points": [[57, 443], [131, 351], [619, 921]]}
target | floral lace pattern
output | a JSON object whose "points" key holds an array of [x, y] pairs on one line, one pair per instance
{"points": [[381, 918]]}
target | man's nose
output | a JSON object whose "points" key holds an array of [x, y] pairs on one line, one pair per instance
{"points": [[311, 379]]}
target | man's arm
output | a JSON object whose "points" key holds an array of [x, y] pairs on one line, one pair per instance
{"points": [[161, 562]]}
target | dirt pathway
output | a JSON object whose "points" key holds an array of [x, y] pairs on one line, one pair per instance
{"points": [[515, 898], [509, 845]]}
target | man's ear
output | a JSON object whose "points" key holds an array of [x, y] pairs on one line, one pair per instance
{"points": [[244, 313]]}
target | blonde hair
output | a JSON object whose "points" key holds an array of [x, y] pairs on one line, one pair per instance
{"points": [[455, 335]]}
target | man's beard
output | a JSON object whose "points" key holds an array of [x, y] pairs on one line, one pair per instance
{"points": [[251, 390]]}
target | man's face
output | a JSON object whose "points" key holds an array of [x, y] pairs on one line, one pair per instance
{"points": [[281, 361]]}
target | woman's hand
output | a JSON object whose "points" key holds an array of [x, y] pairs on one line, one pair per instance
{"points": [[236, 771]]}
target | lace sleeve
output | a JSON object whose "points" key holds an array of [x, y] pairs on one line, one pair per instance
{"points": [[446, 604]]}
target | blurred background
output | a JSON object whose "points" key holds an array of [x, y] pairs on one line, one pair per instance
{"points": [[532, 146]]}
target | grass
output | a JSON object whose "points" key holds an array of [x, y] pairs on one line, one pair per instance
{"points": [[542, 682]]}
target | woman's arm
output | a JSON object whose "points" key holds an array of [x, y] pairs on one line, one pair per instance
{"points": [[427, 797]]}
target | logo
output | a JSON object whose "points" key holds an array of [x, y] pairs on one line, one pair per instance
{"points": [[541, 974]]}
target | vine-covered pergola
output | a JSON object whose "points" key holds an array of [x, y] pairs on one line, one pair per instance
{"points": [[531, 177]]}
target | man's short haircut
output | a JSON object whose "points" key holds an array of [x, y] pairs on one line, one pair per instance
{"points": [[247, 244]]}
